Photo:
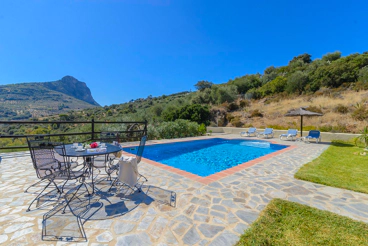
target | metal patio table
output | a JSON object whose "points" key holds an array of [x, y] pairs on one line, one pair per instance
{"points": [[88, 156]]}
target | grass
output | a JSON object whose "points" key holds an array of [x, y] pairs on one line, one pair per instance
{"points": [[288, 223], [341, 165]]}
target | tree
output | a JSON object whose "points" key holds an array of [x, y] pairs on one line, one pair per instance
{"points": [[296, 82], [363, 75], [246, 83], [194, 112], [306, 58], [203, 84], [225, 94], [269, 74], [329, 57]]}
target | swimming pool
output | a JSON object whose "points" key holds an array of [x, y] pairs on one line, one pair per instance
{"points": [[206, 157]]}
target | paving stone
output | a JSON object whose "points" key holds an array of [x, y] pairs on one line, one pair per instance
{"points": [[170, 238], [17, 227], [105, 237], [297, 190], [191, 237], [219, 208], [216, 185], [210, 231], [145, 223], [277, 194], [184, 219], [190, 210], [240, 228], [239, 200], [217, 214], [201, 218], [202, 210], [199, 201], [3, 238], [181, 228], [21, 233], [247, 216], [226, 238], [123, 227], [216, 200], [158, 227], [136, 239], [228, 195], [361, 207]]}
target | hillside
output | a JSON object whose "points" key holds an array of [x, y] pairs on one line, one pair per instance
{"points": [[335, 86], [26, 100]]}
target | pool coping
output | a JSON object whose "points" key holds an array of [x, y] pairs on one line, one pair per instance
{"points": [[216, 176]]}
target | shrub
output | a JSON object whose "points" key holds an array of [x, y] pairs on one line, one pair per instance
{"points": [[360, 113], [256, 113], [314, 109], [236, 122], [202, 129], [233, 106], [244, 103], [229, 117], [178, 128], [341, 109]]}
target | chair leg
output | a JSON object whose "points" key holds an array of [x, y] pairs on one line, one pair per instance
{"points": [[68, 201], [39, 195], [42, 180]]}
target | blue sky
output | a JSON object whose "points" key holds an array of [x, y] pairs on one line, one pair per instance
{"points": [[129, 49]]}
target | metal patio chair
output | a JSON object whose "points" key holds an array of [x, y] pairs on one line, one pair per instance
{"points": [[50, 169], [138, 157]]}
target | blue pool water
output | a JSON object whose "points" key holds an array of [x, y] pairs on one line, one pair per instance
{"points": [[206, 157]]}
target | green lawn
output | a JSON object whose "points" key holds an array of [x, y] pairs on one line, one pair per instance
{"points": [[288, 223], [341, 165]]}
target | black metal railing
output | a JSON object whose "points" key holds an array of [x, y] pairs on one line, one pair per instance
{"points": [[133, 131]]}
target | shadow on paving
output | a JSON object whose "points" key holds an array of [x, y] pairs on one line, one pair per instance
{"points": [[65, 222]]}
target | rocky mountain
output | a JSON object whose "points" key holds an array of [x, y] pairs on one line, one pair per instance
{"points": [[37, 99], [72, 87]]}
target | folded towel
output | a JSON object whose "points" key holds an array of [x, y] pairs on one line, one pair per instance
{"points": [[128, 170]]}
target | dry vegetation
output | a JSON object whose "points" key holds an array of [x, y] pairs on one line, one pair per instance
{"points": [[338, 109]]}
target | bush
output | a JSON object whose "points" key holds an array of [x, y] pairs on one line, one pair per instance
{"points": [[341, 109], [202, 129], [244, 103], [178, 128], [256, 113], [314, 109], [360, 113], [229, 117], [233, 106], [236, 122]]}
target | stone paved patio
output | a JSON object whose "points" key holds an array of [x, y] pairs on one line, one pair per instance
{"points": [[216, 213]]}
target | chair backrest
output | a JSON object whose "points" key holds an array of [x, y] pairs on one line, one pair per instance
{"points": [[314, 134], [43, 158], [268, 130], [141, 148], [252, 129], [109, 137], [292, 132]]}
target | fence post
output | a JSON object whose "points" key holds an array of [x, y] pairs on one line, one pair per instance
{"points": [[93, 129]]}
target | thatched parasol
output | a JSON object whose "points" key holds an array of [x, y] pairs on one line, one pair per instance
{"points": [[302, 112]]}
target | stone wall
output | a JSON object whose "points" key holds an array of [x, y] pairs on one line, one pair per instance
{"points": [[326, 136]]}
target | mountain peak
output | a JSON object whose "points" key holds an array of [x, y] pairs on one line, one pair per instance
{"points": [[73, 87]]}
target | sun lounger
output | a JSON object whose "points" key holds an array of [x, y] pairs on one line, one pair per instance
{"points": [[251, 131], [268, 132], [291, 134], [313, 134]]}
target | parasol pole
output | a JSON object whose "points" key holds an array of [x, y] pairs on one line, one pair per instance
{"points": [[301, 126]]}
